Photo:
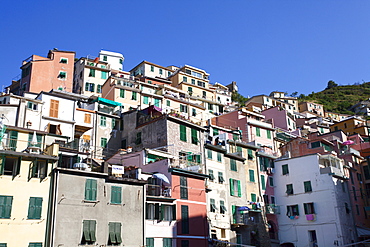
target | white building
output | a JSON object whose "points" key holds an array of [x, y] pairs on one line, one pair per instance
{"points": [[314, 201], [115, 59]]}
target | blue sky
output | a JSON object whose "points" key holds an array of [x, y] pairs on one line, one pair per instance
{"points": [[262, 45]]}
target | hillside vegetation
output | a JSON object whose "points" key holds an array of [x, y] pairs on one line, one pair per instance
{"points": [[339, 99]]}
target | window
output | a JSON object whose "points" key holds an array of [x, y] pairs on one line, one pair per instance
{"points": [[194, 136], [149, 242], [92, 73], [235, 188], [160, 71], [213, 207], [62, 75], [309, 208], [211, 176], [194, 112], [233, 165], [183, 133], [104, 75], [250, 154], [167, 242], [138, 138], [220, 177], [347, 208], [88, 232], [134, 96], [157, 102], [193, 81], [146, 100], [114, 233], [54, 108], [35, 245], [98, 89], [63, 60], [34, 208], [354, 193], [271, 181], [222, 207], [183, 188], [168, 103], [90, 189], [292, 210], [268, 134], [253, 197], [152, 211], [89, 87], [105, 58], [183, 108], [116, 195], [103, 121], [209, 154], [263, 182], [31, 106], [5, 206], [307, 186], [315, 144], [219, 157], [251, 176], [151, 68], [285, 169], [103, 142], [190, 90], [38, 169], [168, 212], [10, 165], [289, 189], [258, 131], [184, 219], [184, 243], [121, 93], [87, 118], [184, 79]]}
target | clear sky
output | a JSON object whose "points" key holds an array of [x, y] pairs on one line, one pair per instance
{"points": [[276, 45]]}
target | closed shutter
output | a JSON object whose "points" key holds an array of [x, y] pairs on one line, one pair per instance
{"points": [[54, 108], [233, 212], [183, 133], [90, 189], [34, 208], [116, 196], [5, 206], [194, 136], [263, 182], [251, 175], [185, 219], [13, 140]]}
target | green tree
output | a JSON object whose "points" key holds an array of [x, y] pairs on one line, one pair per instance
{"points": [[331, 84]]}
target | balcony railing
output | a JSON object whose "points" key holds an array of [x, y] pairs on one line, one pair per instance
{"points": [[158, 190]]}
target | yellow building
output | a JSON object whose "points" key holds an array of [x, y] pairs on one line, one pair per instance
{"points": [[351, 125], [25, 184]]}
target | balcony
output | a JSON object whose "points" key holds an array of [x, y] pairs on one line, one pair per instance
{"points": [[158, 190], [272, 209]]}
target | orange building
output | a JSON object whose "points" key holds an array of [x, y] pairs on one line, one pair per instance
{"points": [[46, 73]]}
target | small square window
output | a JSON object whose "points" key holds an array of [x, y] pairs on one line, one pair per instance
{"points": [[64, 60], [62, 75]]}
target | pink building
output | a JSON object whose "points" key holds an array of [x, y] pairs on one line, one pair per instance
{"points": [[46, 73]]}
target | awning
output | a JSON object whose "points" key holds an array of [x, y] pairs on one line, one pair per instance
{"points": [[363, 232], [243, 208], [162, 177], [107, 102]]}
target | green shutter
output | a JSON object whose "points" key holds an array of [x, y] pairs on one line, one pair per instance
{"points": [[185, 219], [122, 93], [157, 102], [86, 230], [34, 208], [231, 181], [219, 157], [258, 131], [5, 206], [13, 140], [233, 166], [215, 132], [173, 212], [90, 189], [146, 100], [167, 242], [183, 133], [269, 134], [233, 212], [239, 189], [194, 136], [87, 86], [198, 158], [93, 229], [210, 173], [263, 182], [253, 197], [116, 196], [112, 235], [149, 242], [251, 175], [2, 164], [250, 154]]}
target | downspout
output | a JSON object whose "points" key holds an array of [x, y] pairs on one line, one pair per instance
{"points": [[96, 124]]}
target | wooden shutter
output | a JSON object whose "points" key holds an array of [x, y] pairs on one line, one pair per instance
{"points": [[239, 189], [185, 219], [231, 181], [263, 182], [183, 133], [54, 108]]}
